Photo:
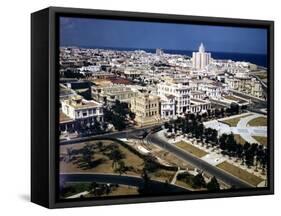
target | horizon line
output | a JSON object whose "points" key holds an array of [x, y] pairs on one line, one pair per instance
{"points": [[136, 48]]}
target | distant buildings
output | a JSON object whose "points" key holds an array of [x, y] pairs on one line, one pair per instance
{"points": [[157, 86], [147, 110], [201, 58], [159, 52], [242, 82], [111, 93]]}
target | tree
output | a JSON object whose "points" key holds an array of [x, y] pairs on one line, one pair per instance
{"points": [[198, 130], [213, 185], [132, 115], [96, 128], [121, 167], [88, 154], [231, 144], [149, 164], [115, 155], [222, 141], [119, 122], [234, 108], [100, 145], [145, 187], [198, 181]]}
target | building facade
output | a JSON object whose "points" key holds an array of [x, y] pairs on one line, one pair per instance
{"points": [[180, 92], [245, 84], [201, 58], [146, 108], [77, 111], [168, 107], [111, 93]]}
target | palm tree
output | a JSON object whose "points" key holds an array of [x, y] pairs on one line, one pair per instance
{"points": [[121, 168], [88, 153], [115, 156]]}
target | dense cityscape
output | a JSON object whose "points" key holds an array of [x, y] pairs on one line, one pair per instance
{"points": [[136, 122]]}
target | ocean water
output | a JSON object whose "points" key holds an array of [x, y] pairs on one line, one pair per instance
{"points": [[258, 59]]}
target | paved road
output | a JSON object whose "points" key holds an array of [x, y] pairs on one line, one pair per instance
{"points": [[120, 179], [221, 175], [246, 132], [202, 165], [130, 133]]}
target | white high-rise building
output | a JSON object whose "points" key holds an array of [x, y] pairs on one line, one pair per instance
{"points": [[201, 58]]}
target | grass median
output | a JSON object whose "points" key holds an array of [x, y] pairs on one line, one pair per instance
{"points": [[191, 149], [261, 140], [259, 121], [240, 173], [232, 122]]}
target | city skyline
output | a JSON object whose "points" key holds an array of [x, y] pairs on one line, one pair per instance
{"points": [[82, 32], [171, 121]]}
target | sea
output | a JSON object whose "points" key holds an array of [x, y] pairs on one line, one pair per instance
{"points": [[258, 59]]}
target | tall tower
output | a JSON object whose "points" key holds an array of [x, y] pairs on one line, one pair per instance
{"points": [[201, 58], [201, 48]]}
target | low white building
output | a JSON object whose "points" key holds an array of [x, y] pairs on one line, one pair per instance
{"points": [[181, 93], [81, 111], [181, 98], [168, 107], [199, 106], [113, 92], [242, 82]]}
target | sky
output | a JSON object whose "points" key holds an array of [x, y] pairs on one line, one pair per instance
{"points": [[90, 32]]}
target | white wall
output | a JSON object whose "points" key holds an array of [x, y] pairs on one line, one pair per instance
{"points": [[15, 98]]}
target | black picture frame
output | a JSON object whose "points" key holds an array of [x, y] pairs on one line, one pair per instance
{"points": [[45, 96]]}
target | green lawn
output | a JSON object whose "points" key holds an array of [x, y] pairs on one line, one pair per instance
{"points": [[239, 139], [259, 121], [232, 122], [191, 149], [261, 140], [240, 173]]}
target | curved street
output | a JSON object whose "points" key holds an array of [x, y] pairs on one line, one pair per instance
{"points": [[197, 162], [154, 139], [120, 179]]}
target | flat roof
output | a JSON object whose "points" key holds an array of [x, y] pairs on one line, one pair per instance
{"points": [[64, 118]]}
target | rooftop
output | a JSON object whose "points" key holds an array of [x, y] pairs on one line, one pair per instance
{"points": [[78, 102], [64, 118]]}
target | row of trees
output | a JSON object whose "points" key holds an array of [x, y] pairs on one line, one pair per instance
{"points": [[216, 113], [251, 154], [192, 124], [87, 129]]}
